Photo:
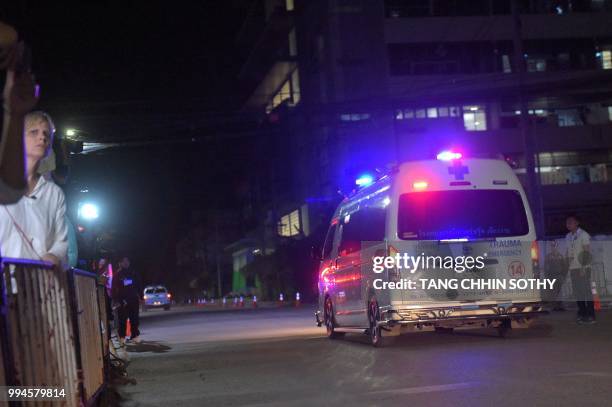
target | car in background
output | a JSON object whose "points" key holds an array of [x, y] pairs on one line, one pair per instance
{"points": [[156, 296]]}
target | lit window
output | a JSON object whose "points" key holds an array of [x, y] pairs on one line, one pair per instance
{"points": [[610, 113], [289, 225], [290, 5], [295, 88], [409, 114], [290, 91], [606, 59], [443, 111], [454, 111], [420, 113], [474, 118], [399, 115], [536, 65], [506, 67], [354, 117], [432, 112]]}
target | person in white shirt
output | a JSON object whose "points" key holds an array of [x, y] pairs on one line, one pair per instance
{"points": [[579, 259], [35, 226]]}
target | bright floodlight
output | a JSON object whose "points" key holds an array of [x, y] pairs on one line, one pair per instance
{"points": [[70, 132], [88, 211], [448, 156]]}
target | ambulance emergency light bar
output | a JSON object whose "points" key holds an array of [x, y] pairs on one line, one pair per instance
{"points": [[449, 156], [367, 179], [364, 180]]}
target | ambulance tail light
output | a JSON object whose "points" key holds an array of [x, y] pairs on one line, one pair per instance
{"points": [[420, 185], [449, 156], [535, 258]]}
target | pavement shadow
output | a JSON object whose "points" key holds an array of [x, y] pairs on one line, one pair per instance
{"points": [[459, 336], [147, 346]]}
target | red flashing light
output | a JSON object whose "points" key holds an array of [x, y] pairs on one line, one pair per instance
{"points": [[420, 185]]}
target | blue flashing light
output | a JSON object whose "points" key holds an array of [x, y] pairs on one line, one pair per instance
{"points": [[364, 180], [449, 156]]}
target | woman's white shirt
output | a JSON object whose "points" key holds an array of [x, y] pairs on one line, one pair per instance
{"points": [[40, 216]]}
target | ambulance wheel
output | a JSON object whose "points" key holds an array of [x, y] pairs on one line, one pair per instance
{"points": [[503, 330], [374, 330], [329, 320]]}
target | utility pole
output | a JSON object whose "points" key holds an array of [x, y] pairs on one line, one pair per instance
{"points": [[534, 194], [218, 254]]}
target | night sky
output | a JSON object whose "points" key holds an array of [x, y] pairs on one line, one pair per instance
{"points": [[138, 71]]}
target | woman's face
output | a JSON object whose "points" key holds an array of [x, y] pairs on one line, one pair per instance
{"points": [[38, 138]]}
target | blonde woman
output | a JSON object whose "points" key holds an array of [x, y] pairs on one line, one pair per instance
{"points": [[35, 226]]}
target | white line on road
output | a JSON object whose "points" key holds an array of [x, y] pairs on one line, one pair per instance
{"points": [[427, 389]]}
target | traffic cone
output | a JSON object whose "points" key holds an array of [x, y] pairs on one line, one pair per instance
{"points": [[204, 301], [224, 302], [128, 329], [297, 299], [235, 302], [596, 300], [241, 301], [254, 301]]}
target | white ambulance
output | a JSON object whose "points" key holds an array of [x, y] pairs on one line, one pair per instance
{"points": [[449, 206]]}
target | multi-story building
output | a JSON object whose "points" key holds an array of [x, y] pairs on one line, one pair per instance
{"points": [[358, 84]]}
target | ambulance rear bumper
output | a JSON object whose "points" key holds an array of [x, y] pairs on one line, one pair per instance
{"points": [[466, 313]]}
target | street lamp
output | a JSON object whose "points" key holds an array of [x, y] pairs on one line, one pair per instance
{"points": [[71, 132], [88, 211]]}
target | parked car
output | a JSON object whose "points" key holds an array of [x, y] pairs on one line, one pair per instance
{"points": [[156, 296]]}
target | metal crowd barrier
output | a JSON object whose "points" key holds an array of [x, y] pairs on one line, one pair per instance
{"points": [[52, 330]]}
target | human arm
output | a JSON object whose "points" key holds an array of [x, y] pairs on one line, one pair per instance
{"points": [[18, 98], [58, 251]]}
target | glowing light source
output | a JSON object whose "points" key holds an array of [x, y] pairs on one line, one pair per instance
{"points": [[420, 185], [448, 156], [386, 201], [70, 132], [89, 211], [364, 180]]}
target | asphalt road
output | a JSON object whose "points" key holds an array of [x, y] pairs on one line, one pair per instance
{"points": [[277, 357]]}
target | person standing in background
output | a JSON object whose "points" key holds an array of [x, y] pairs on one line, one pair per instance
{"points": [[126, 292], [579, 259]]}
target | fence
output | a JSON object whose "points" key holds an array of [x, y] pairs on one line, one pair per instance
{"points": [[600, 267], [52, 332]]}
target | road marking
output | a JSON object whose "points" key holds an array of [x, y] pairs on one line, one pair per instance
{"points": [[427, 389]]}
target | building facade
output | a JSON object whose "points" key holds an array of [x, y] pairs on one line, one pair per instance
{"points": [[359, 84]]}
